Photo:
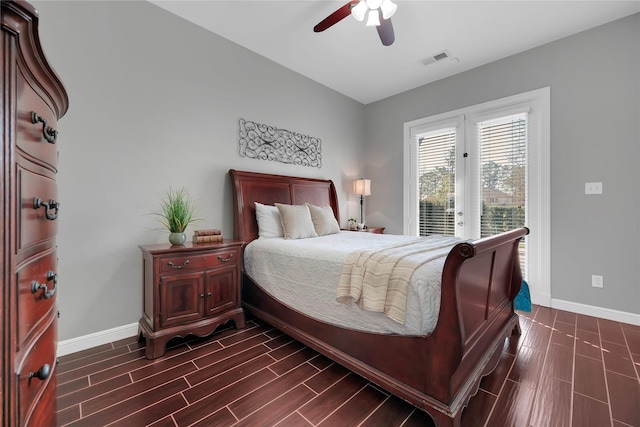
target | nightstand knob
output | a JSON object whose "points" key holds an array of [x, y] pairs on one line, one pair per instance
{"points": [[178, 267], [223, 259]]}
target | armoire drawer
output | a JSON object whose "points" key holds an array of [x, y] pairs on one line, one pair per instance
{"points": [[37, 287], [37, 371], [36, 134], [38, 210]]}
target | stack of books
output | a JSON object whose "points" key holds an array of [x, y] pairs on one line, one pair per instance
{"points": [[212, 235]]}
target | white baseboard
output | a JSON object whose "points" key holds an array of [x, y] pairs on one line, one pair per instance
{"points": [[74, 345], [543, 299], [590, 310]]}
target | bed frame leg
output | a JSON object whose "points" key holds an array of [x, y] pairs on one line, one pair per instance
{"points": [[516, 328], [442, 420]]}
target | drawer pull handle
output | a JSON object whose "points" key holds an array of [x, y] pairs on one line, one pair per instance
{"points": [[46, 293], [42, 373], [49, 133], [52, 205], [223, 259], [178, 267]]}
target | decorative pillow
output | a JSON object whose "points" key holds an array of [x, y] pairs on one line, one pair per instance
{"points": [[323, 220], [296, 221], [269, 223]]}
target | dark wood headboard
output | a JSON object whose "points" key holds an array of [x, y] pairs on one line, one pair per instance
{"points": [[250, 187]]}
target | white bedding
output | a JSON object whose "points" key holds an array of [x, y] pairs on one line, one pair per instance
{"points": [[304, 275]]}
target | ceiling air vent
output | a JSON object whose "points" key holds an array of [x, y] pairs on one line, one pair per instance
{"points": [[435, 58]]}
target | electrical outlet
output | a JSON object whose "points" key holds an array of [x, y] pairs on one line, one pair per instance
{"points": [[592, 188], [597, 281]]}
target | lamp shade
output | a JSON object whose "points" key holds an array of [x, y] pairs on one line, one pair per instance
{"points": [[362, 187]]}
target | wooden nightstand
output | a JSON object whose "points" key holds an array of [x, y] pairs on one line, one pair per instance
{"points": [[377, 230], [190, 289]]}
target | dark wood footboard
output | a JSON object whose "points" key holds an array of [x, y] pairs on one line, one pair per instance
{"points": [[438, 373], [479, 282]]}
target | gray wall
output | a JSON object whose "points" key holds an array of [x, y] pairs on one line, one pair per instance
{"points": [[155, 102], [594, 78]]}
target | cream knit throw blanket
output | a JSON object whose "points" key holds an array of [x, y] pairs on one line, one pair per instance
{"points": [[378, 280]]}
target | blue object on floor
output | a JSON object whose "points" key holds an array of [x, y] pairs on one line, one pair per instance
{"points": [[522, 301]]}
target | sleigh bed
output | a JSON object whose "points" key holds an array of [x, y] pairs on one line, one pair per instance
{"points": [[438, 372]]}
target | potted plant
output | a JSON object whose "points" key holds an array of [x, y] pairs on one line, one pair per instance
{"points": [[177, 212], [353, 223]]}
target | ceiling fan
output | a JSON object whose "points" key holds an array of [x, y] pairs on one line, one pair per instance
{"points": [[359, 8]]}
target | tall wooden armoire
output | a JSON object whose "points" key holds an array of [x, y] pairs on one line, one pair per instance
{"points": [[33, 99]]}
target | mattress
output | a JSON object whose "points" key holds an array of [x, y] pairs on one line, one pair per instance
{"points": [[304, 274]]}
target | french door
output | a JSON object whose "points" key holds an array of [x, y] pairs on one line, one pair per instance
{"points": [[476, 172]]}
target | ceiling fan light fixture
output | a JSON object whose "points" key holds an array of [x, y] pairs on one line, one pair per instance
{"points": [[359, 10], [373, 4], [388, 8], [374, 18]]}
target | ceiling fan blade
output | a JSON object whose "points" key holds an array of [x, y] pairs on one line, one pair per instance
{"points": [[385, 31], [335, 17]]}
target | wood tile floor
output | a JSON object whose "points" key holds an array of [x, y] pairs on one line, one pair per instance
{"points": [[564, 370]]}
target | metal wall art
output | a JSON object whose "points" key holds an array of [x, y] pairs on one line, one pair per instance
{"points": [[259, 141]]}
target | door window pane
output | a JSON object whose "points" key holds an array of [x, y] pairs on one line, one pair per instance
{"points": [[436, 182], [503, 166]]}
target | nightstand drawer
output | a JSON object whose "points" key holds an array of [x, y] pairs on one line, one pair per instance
{"points": [[181, 299], [376, 230], [199, 261], [222, 292]]}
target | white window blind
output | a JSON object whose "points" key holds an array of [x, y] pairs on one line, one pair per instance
{"points": [[436, 182], [503, 169]]}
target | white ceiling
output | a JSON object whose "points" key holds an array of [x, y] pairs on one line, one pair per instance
{"points": [[350, 59]]}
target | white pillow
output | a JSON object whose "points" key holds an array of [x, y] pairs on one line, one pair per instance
{"points": [[323, 220], [296, 221], [269, 223]]}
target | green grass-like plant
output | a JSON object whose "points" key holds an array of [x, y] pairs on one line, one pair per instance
{"points": [[177, 210]]}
